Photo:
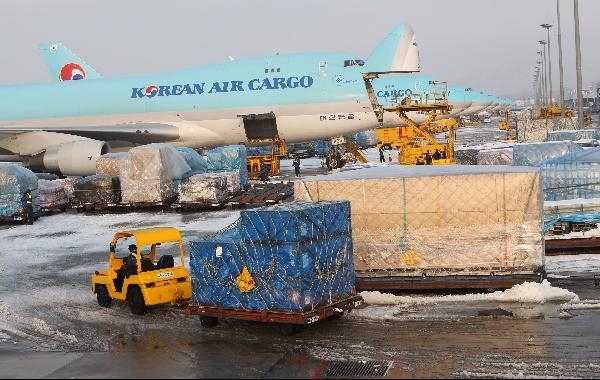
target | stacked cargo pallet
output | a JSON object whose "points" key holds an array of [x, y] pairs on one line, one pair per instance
{"points": [[457, 222], [230, 162], [15, 181], [287, 258], [151, 175], [52, 196]]}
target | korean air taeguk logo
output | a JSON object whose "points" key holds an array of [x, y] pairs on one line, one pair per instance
{"points": [[71, 71], [151, 91]]}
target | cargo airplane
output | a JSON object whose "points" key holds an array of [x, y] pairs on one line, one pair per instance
{"points": [[65, 126], [388, 89]]}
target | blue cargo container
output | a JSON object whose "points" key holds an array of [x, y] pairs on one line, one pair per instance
{"points": [[293, 258]]}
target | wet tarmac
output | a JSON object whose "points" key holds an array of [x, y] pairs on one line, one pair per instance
{"points": [[483, 340], [52, 327]]}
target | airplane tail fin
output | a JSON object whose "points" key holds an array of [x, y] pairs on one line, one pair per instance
{"points": [[64, 64], [397, 53]]}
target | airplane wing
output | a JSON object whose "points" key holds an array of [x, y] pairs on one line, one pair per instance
{"points": [[139, 133]]}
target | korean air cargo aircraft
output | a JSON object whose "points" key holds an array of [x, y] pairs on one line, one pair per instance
{"points": [[297, 97], [390, 90]]}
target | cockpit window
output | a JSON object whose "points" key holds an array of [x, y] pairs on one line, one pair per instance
{"points": [[354, 62]]}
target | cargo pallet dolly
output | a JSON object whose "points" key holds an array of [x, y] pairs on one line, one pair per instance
{"points": [[262, 195], [291, 322], [197, 206]]}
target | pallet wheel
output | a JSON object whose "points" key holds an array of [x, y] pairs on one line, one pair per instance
{"points": [[208, 322], [289, 329]]}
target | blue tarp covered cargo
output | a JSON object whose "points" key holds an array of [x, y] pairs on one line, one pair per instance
{"points": [[14, 182], [292, 257]]}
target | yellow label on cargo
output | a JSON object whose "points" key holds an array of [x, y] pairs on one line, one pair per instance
{"points": [[245, 281], [410, 258]]}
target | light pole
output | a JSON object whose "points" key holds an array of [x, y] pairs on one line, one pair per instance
{"points": [[560, 62], [547, 27], [578, 67], [545, 60], [542, 78]]}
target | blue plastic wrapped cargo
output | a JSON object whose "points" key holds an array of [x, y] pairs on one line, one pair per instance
{"points": [[296, 257], [534, 153], [228, 158], [196, 162], [14, 182], [572, 176]]}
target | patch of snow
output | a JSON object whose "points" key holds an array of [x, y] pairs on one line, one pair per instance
{"points": [[528, 292]]}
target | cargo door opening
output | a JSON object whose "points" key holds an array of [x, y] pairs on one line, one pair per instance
{"points": [[260, 127]]}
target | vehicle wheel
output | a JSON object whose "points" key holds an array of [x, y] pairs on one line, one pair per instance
{"points": [[289, 329], [104, 299], [209, 322], [136, 300]]}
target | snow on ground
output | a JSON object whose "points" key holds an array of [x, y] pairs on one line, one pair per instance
{"points": [[45, 270], [528, 292], [526, 300]]}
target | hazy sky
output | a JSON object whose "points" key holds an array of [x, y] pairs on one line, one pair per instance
{"points": [[489, 45]]}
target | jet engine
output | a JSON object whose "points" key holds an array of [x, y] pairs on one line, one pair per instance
{"points": [[73, 158]]}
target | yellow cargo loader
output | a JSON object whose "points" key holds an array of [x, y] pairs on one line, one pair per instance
{"points": [[553, 111], [145, 268]]}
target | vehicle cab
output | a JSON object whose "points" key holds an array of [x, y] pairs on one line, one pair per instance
{"points": [[145, 268]]}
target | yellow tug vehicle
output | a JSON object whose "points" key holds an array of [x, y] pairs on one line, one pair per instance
{"points": [[145, 268]]}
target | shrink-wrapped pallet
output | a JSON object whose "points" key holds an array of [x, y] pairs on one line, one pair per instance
{"points": [[15, 181], [572, 176], [466, 156], [68, 185], [231, 158], [152, 173], [533, 154], [52, 195], [196, 162], [233, 180], [574, 135], [451, 220], [203, 189], [108, 164], [495, 157], [96, 190], [292, 257]]}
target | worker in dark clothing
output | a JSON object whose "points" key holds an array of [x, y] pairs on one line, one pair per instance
{"points": [[296, 165], [27, 202], [381, 155], [128, 268], [264, 172], [428, 158], [437, 155]]}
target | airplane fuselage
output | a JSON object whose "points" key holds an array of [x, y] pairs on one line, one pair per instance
{"points": [[310, 96]]}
